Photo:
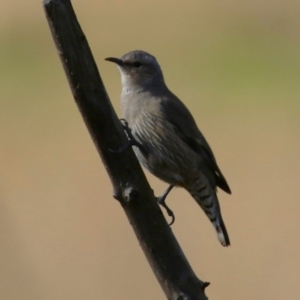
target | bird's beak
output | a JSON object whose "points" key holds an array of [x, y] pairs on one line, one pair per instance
{"points": [[117, 61]]}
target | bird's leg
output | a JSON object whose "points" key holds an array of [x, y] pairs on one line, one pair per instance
{"points": [[162, 201], [132, 141]]}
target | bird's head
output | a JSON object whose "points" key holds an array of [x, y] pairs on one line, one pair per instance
{"points": [[138, 69]]}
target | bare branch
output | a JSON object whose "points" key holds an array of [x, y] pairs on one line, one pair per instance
{"points": [[131, 188]]}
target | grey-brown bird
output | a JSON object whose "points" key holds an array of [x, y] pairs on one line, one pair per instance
{"points": [[173, 148]]}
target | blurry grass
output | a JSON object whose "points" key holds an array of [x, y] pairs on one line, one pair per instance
{"points": [[240, 61], [32, 81], [25, 55], [247, 67]]}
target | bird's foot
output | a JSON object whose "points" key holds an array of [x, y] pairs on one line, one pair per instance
{"points": [[132, 141], [162, 201]]}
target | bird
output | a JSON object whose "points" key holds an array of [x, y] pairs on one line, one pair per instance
{"points": [[172, 147]]}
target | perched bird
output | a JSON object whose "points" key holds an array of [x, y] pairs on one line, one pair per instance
{"points": [[173, 148]]}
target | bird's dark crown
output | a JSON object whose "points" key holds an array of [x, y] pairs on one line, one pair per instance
{"points": [[138, 58]]}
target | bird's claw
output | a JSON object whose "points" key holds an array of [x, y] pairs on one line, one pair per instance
{"points": [[123, 148], [132, 141], [161, 201]]}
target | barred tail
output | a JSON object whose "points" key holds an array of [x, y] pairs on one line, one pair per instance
{"points": [[208, 201], [222, 232]]}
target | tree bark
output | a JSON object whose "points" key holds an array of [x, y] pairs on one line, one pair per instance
{"points": [[130, 186]]}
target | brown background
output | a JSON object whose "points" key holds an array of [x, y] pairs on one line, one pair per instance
{"points": [[236, 64]]}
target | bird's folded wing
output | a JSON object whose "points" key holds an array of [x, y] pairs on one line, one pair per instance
{"points": [[182, 120]]}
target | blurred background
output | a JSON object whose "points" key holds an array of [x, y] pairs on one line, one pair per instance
{"points": [[236, 65]]}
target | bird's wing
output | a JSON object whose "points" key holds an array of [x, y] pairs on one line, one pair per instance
{"points": [[182, 120]]}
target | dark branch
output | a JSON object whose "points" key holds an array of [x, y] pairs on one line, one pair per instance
{"points": [[131, 188]]}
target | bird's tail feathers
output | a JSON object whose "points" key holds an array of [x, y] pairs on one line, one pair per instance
{"points": [[208, 201], [221, 232]]}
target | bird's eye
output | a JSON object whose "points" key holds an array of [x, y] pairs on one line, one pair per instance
{"points": [[137, 64]]}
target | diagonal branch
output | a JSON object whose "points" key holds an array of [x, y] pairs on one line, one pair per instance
{"points": [[131, 188]]}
